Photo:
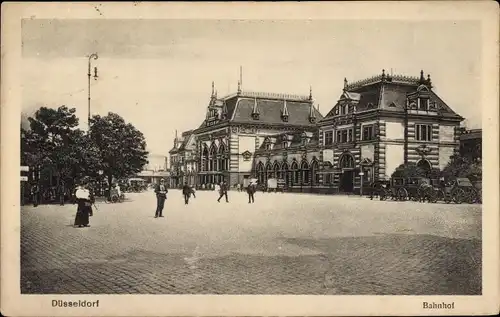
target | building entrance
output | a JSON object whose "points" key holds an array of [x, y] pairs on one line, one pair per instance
{"points": [[347, 181]]}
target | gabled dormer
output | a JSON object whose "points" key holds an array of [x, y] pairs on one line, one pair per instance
{"points": [[255, 110], [284, 112], [421, 98], [268, 145]]}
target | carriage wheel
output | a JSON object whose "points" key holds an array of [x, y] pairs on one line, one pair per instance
{"points": [[402, 194], [440, 196], [433, 195], [470, 196], [459, 196]]}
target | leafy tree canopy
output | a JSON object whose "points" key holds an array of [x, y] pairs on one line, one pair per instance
{"points": [[121, 147]]}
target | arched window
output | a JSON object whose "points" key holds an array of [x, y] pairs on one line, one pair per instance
{"points": [[346, 161], [424, 165], [269, 171], [277, 170], [213, 158], [284, 172], [222, 160], [205, 158], [305, 172], [314, 172], [295, 173], [260, 173]]}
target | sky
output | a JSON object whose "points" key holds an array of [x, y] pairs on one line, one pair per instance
{"points": [[157, 74]]}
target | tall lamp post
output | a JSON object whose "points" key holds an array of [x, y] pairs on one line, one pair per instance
{"points": [[95, 57]]}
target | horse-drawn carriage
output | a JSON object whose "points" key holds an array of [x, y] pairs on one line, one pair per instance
{"points": [[423, 189], [460, 190]]}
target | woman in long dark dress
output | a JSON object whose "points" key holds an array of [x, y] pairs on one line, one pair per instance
{"points": [[84, 200]]}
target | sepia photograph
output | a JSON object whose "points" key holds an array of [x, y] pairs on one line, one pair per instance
{"points": [[203, 154]]}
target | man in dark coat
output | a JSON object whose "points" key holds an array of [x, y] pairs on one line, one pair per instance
{"points": [[35, 194], [251, 191], [223, 192], [161, 195], [186, 191]]}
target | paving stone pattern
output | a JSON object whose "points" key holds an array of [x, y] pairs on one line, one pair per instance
{"points": [[282, 244]]}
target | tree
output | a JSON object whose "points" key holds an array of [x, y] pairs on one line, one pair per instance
{"points": [[53, 143], [120, 146], [463, 166]]}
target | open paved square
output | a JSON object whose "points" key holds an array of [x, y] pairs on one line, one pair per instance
{"points": [[282, 244]]}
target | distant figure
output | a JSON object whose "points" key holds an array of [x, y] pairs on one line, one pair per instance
{"points": [[62, 192], [251, 191], [161, 195], [193, 191], [223, 192], [186, 191], [84, 199], [35, 194]]}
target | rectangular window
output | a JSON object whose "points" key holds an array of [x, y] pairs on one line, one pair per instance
{"points": [[344, 136], [328, 137], [350, 135], [368, 133], [423, 104], [339, 136], [423, 132]]}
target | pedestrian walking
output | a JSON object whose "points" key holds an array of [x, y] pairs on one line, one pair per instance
{"points": [[84, 199], [35, 194], [62, 192], [193, 191], [223, 191], [251, 188], [186, 191], [161, 195]]}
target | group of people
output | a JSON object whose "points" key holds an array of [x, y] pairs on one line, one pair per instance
{"points": [[55, 193], [161, 192], [85, 199]]}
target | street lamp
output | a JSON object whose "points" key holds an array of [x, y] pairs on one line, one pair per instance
{"points": [[95, 57]]}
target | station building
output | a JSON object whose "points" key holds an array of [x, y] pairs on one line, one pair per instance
{"points": [[376, 125]]}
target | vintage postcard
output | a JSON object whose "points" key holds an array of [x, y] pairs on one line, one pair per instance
{"points": [[250, 159]]}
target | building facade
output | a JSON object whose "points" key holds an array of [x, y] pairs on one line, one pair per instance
{"points": [[236, 126], [382, 122], [183, 163], [376, 125]]}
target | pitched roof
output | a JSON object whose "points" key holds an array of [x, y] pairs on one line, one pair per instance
{"points": [[389, 94], [270, 107]]}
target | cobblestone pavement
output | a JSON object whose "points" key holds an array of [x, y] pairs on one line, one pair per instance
{"points": [[282, 244]]}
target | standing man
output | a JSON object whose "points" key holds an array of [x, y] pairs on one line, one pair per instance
{"points": [[35, 194], [161, 195], [223, 191], [62, 192], [186, 191], [251, 192]]}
